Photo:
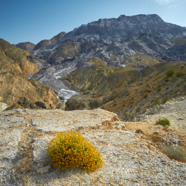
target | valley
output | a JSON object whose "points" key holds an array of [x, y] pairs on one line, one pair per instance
{"points": [[113, 81]]}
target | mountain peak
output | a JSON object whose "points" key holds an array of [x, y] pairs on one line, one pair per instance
{"points": [[127, 26]]}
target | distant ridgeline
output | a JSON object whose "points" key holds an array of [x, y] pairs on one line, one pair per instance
{"points": [[107, 63]]}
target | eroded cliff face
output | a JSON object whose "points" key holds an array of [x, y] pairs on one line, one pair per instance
{"points": [[16, 89], [113, 39], [129, 26]]}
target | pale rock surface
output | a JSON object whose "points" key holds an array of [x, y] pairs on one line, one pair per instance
{"points": [[174, 110], [24, 137], [3, 106]]}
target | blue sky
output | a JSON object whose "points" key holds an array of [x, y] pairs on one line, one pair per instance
{"points": [[35, 20]]}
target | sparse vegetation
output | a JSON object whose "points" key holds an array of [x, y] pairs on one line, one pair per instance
{"points": [[138, 109], [145, 95], [163, 121], [71, 149], [164, 100], [170, 73], [180, 74], [174, 152], [129, 87], [158, 87], [156, 101], [132, 101]]}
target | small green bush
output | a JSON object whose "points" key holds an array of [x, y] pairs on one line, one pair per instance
{"points": [[164, 100], [145, 95], [180, 74], [156, 101], [132, 101], [174, 152], [132, 116], [158, 87], [71, 149], [163, 121], [170, 73], [138, 109]]}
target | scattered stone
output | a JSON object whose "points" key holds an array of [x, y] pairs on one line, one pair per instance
{"points": [[156, 133], [3, 106], [180, 118], [139, 131], [41, 104]]}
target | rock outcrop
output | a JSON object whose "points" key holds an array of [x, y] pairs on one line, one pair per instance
{"points": [[128, 159]]}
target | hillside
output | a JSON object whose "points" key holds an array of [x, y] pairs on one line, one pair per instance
{"points": [[129, 93], [16, 89], [28, 46], [160, 83], [46, 42]]}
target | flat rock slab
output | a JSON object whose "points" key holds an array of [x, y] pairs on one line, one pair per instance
{"points": [[56, 120], [128, 160]]}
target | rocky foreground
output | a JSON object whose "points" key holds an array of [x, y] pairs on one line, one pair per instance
{"points": [[128, 158]]}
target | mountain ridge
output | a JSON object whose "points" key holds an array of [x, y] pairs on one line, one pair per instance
{"points": [[136, 22], [122, 32], [17, 90]]}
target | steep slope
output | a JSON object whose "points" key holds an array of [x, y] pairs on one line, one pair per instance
{"points": [[160, 83], [98, 78], [96, 82], [151, 45], [45, 43], [113, 39], [16, 89], [18, 56], [128, 26], [28, 46], [129, 93], [178, 51]]}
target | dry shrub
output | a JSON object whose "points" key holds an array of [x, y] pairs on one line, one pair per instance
{"points": [[71, 149], [174, 152]]}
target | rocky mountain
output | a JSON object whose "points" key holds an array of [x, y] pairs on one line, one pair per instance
{"points": [[16, 89], [128, 41], [45, 43], [28, 46], [111, 39], [125, 27]]}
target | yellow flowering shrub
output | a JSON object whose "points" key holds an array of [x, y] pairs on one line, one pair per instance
{"points": [[71, 149]]}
